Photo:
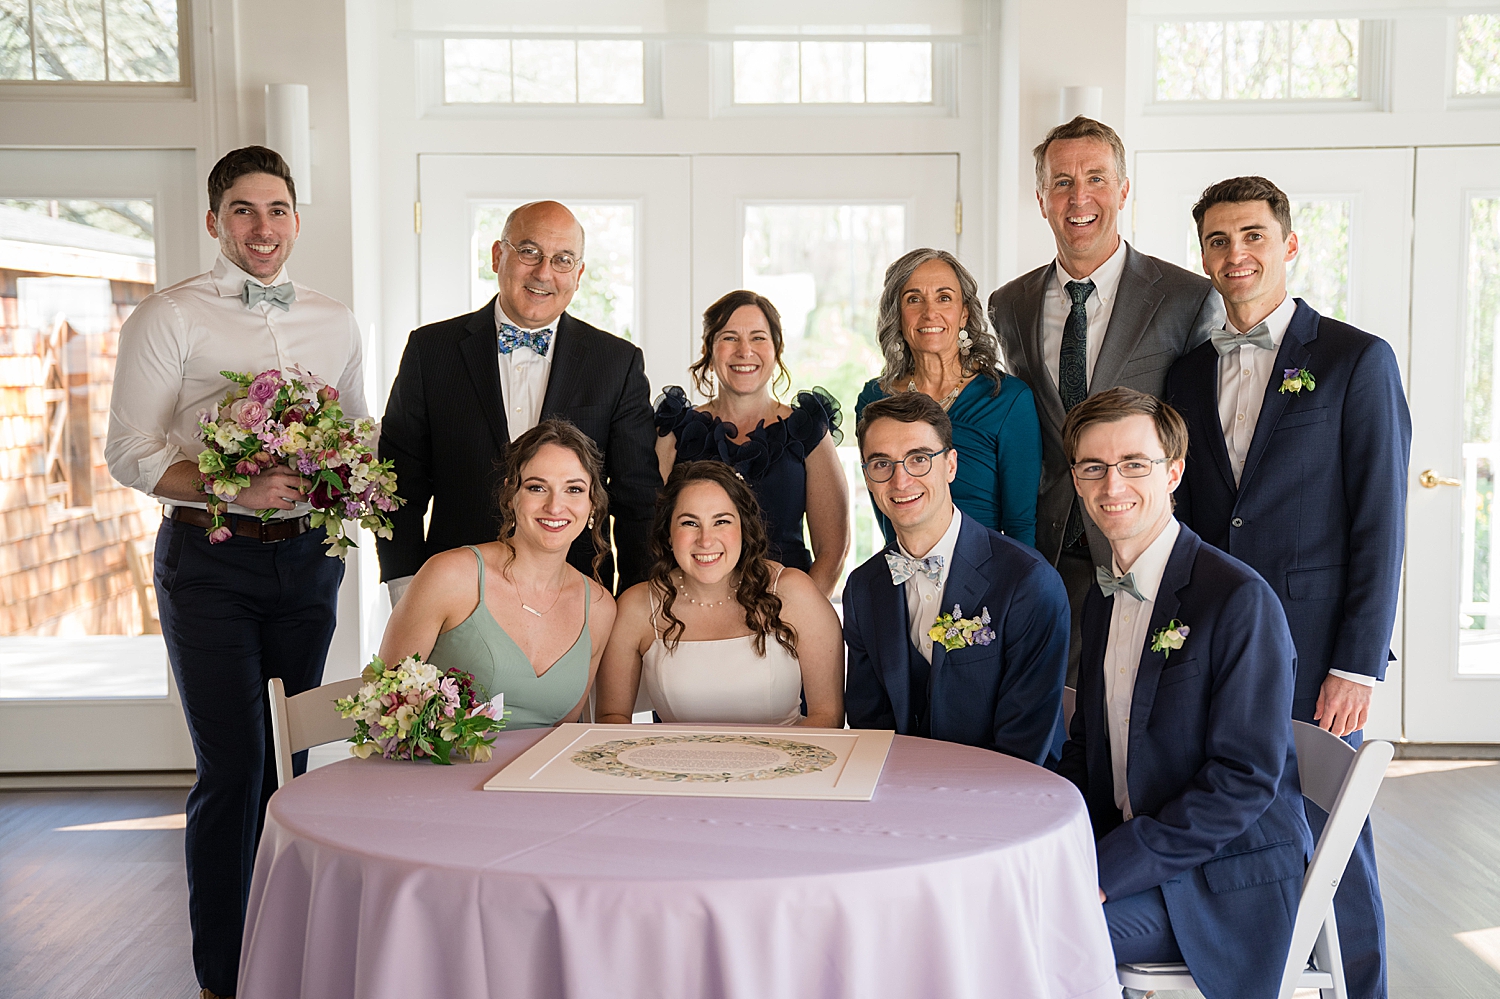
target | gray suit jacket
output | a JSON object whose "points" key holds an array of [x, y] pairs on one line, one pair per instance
{"points": [[1161, 312]]}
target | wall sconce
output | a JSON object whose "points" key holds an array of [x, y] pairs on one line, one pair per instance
{"points": [[288, 133], [1075, 101]]}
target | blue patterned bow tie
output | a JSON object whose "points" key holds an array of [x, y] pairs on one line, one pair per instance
{"points": [[281, 295], [1110, 584], [512, 337], [903, 567], [1225, 341]]}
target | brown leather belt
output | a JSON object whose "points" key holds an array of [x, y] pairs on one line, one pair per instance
{"points": [[246, 527]]}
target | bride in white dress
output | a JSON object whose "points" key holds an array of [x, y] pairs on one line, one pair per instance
{"points": [[720, 633]]}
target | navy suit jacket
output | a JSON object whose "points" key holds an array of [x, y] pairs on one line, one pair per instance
{"points": [[1005, 696], [1212, 768], [1320, 510]]}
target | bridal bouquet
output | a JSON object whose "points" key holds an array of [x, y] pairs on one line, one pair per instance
{"points": [[411, 710], [294, 419]]}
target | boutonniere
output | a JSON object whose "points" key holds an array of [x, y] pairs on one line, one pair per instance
{"points": [[1297, 379], [1170, 637], [954, 631]]}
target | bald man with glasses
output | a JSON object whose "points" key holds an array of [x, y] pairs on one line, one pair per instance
{"points": [[468, 386]]}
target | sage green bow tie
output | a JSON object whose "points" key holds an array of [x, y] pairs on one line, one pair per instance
{"points": [[1225, 341], [1110, 584], [281, 295]]}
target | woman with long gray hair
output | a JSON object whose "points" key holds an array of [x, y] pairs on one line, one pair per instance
{"points": [[933, 333]]}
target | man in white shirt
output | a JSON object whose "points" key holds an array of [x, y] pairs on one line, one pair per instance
{"points": [[1303, 435], [1181, 740], [996, 683], [1102, 314], [261, 604]]}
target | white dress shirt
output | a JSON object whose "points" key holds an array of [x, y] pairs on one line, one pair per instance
{"points": [[176, 342], [1244, 374], [523, 378], [1129, 629], [1056, 305], [924, 597]]}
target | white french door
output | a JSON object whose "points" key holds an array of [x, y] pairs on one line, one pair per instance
{"points": [[1352, 212]]}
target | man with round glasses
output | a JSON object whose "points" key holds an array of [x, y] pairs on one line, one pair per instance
{"points": [[469, 385], [955, 632]]}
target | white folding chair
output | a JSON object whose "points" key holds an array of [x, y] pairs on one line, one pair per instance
{"points": [[1070, 700], [1343, 783], [307, 719]]}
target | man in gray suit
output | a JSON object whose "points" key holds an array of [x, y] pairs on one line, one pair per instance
{"points": [[1101, 315]]}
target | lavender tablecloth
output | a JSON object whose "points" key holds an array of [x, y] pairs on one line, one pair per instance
{"points": [[970, 874]]}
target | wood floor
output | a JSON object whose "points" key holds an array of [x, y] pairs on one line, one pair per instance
{"points": [[103, 912]]}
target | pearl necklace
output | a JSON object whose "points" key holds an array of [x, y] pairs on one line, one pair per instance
{"points": [[708, 603]]}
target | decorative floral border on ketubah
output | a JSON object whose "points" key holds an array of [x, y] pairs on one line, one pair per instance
{"points": [[605, 758]]}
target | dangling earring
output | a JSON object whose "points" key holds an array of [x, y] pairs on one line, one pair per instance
{"points": [[964, 343], [591, 521]]}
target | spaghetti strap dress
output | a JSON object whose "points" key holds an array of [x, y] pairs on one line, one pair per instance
{"points": [[478, 645]]}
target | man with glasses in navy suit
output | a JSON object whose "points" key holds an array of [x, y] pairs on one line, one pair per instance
{"points": [[955, 632]]}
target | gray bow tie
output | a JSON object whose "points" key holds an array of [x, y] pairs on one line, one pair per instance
{"points": [[282, 295], [904, 567], [1225, 341], [1110, 584]]}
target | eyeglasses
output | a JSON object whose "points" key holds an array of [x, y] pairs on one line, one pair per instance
{"points": [[916, 464], [531, 256], [1130, 468]]}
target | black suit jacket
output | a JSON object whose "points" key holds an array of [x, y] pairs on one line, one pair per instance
{"points": [[445, 430], [1161, 311]]}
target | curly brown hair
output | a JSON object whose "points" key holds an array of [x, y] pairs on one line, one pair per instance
{"points": [[716, 317], [519, 454], [762, 607]]}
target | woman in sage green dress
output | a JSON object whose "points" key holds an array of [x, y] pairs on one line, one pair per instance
{"points": [[513, 612]]}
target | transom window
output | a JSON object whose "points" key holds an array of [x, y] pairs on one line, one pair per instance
{"points": [[1477, 56], [832, 72], [543, 71], [1258, 60], [92, 41]]}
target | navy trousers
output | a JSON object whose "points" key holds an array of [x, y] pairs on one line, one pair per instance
{"points": [[1140, 929], [234, 615], [1357, 903]]}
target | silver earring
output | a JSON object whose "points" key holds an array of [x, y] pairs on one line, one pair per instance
{"points": [[964, 343]]}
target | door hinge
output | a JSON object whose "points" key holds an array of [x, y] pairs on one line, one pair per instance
{"points": [[958, 218], [416, 217]]}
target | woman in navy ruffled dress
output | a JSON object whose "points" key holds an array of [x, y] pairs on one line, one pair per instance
{"points": [[787, 453]]}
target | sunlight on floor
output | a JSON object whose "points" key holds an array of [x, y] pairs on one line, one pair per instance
{"points": [[153, 823]]}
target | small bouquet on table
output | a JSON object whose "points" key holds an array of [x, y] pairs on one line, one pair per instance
{"points": [[294, 419], [413, 711]]}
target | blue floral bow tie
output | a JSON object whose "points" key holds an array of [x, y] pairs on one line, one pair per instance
{"points": [[1110, 584], [1225, 341], [903, 567], [512, 337], [281, 295]]}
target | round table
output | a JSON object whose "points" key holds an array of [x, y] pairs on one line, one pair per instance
{"points": [[969, 874]]}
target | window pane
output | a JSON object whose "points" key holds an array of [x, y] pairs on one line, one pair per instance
{"points": [[69, 40], [1257, 56], [544, 71], [15, 41], [1478, 54], [142, 40], [766, 73], [606, 296], [1320, 273], [833, 72], [1479, 618], [898, 72], [476, 71], [1190, 61], [75, 558], [1325, 59], [611, 72]]}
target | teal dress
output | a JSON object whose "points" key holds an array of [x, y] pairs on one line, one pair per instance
{"points": [[480, 646], [999, 444]]}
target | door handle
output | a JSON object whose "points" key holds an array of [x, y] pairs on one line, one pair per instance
{"points": [[1432, 480]]}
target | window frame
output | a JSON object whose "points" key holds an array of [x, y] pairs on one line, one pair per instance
{"points": [[944, 103], [1376, 38], [1454, 101], [112, 90], [432, 89]]}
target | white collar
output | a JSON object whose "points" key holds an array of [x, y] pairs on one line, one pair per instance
{"points": [[1152, 563], [501, 317], [945, 544], [1106, 276], [229, 280], [1276, 323]]}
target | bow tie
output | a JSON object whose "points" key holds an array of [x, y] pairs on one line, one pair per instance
{"points": [[1110, 584], [1225, 341], [512, 337], [282, 295], [903, 567]]}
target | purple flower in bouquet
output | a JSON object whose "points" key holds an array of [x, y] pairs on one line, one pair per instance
{"points": [[324, 495], [247, 466], [328, 394], [265, 386]]}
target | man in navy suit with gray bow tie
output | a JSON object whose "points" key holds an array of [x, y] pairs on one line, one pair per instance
{"points": [[993, 676]]}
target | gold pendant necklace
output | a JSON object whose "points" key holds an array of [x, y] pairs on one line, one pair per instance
{"points": [[945, 401]]}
